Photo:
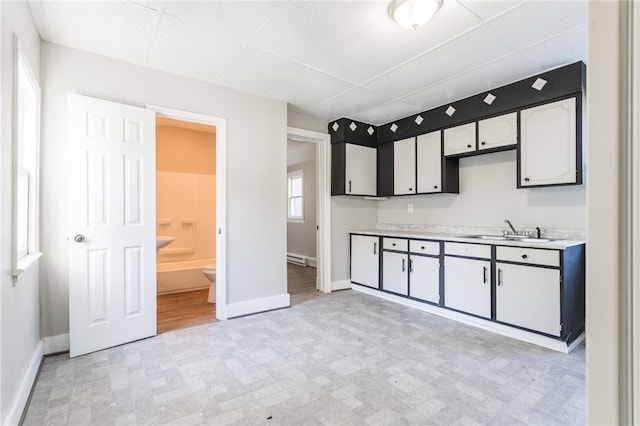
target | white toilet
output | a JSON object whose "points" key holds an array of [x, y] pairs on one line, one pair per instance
{"points": [[210, 272]]}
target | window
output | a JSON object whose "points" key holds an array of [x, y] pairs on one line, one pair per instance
{"points": [[296, 190], [26, 135]]}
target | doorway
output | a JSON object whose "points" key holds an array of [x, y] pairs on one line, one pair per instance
{"points": [[320, 145], [219, 231], [185, 223], [301, 217]]}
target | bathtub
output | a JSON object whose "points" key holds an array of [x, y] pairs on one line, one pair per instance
{"points": [[174, 277]]}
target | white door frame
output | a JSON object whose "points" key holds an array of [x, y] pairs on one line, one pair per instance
{"points": [[323, 205], [221, 195]]}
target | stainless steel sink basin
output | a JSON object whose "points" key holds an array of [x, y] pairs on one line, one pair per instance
{"points": [[487, 237], [535, 240], [522, 238]]}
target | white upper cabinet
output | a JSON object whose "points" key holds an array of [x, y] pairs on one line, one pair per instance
{"points": [[360, 173], [404, 170], [429, 162], [460, 139], [548, 144], [498, 131]]}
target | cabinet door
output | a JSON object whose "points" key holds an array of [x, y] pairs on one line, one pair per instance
{"points": [[395, 276], [404, 167], [528, 297], [460, 139], [365, 265], [360, 173], [467, 285], [424, 278], [429, 162], [548, 144], [498, 131]]}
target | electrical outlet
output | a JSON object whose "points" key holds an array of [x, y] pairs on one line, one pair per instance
{"points": [[409, 208]]}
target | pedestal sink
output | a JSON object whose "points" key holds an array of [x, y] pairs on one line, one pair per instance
{"points": [[163, 241]]}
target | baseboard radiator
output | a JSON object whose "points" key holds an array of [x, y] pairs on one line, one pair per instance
{"points": [[297, 259]]}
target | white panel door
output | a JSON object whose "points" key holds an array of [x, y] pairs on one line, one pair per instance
{"points": [[365, 252], [424, 278], [404, 167], [429, 162], [528, 297], [361, 169], [460, 139], [112, 281], [548, 144], [467, 285], [498, 131], [395, 275]]}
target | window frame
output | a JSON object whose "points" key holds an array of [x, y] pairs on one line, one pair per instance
{"points": [[25, 79], [294, 175]]}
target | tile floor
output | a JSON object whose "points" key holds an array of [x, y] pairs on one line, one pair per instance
{"points": [[340, 359]]}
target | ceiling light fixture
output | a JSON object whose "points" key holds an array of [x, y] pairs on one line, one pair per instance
{"points": [[413, 14]]}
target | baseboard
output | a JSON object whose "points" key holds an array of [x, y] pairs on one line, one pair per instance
{"points": [[515, 333], [56, 344], [340, 285], [255, 306], [22, 395]]}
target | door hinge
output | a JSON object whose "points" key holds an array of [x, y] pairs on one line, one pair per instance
{"points": [[561, 328]]}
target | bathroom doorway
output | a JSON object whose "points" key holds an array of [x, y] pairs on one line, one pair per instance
{"points": [[185, 223], [302, 221]]}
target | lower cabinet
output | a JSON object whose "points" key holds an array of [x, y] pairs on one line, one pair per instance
{"points": [[365, 260], [424, 277], [395, 277], [529, 297], [467, 285]]}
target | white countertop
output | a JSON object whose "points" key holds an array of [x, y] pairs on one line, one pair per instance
{"points": [[558, 244]]}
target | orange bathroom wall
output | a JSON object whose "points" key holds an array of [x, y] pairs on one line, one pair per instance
{"points": [[185, 192]]}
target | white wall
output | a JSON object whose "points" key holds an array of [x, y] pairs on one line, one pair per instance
{"points": [[301, 237], [256, 168], [19, 305], [603, 211], [488, 196]]}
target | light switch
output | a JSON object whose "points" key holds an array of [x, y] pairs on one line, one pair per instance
{"points": [[409, 208]]}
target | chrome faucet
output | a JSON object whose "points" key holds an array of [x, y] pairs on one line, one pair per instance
{"points": [[508, 222]]}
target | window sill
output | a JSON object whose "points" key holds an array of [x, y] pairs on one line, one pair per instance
{"points": [[295, 220], [24, 264]]}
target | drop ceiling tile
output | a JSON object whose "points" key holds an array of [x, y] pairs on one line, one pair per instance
{"points": [[189, 50], [121, 30], [495, 74], [488, 9], [258, 72], [307, 31], [386, 113], [386, 44], [229, 19], [41, 19], [348, 104], [310, 89], [565, 48], [471, 50], [538, 20]]}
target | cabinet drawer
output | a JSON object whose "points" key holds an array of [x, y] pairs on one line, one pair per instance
{"points": [[470, 250], [395, 244], [528, 255], [424, 247]]}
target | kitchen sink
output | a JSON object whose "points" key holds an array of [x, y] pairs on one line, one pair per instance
{"points": [[523, 238], [487, 237]]}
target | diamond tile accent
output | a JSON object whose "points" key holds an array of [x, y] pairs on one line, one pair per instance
{"points": [[353, 126], [370, 131], [419, 120], [335, 126], [450, 111], [393, 127], [539, 83], [489, 99]]}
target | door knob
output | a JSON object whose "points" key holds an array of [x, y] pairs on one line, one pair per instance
{"points": [[79, 238]]}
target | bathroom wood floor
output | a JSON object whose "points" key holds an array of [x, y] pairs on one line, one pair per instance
{"points": [[190, 308], [178, 310]]}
